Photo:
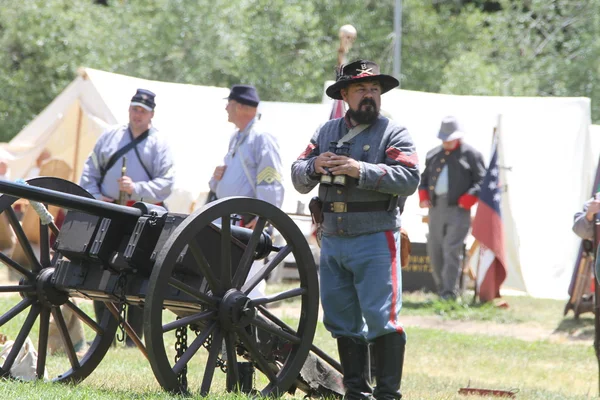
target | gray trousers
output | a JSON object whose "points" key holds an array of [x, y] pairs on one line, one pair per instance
{"points": [[448, 228]]}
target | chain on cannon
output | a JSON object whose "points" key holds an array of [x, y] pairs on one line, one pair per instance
{"points": [[180, 348], [119, 292]]}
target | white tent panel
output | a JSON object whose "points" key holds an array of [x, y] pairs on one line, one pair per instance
{"points": [[546, 143]]}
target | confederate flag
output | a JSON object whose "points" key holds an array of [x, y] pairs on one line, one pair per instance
{"points": [[488, 229]]}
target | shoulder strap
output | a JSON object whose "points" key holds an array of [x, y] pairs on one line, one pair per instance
{"points": [[123, 150], [352, 133]]}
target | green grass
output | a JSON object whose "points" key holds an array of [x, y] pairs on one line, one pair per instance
{"points": [[438, 363]]}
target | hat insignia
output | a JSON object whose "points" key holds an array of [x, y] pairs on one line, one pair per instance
{"points": [[144, 97], [364, 70]]}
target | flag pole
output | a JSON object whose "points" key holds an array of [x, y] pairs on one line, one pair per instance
{"points": [[347, 35]]}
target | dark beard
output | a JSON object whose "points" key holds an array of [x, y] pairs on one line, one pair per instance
{"points": [[367, 116]]}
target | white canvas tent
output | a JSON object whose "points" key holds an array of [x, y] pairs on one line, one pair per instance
{"points": [[546, 146], [192, 117], [547, 150]]}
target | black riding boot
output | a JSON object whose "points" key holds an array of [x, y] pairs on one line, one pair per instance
{"points": [[355, 366], [389, 356]]}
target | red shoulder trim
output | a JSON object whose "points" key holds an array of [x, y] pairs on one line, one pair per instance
{"points": [[307, 151], [410, 160]]}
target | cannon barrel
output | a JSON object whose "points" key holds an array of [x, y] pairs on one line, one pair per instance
{"points": [[68, 201]]}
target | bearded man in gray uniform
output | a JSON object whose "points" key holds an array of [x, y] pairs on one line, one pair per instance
{"points": [[252, 166], [149, 176], [366, 165]]}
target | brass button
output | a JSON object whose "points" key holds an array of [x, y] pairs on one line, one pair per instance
{"points": [[434, 178], [339, 219], [431, 187], [438, 169], [341, 231], [339, 192], [447, 153], [443, 160], [366, 147]]}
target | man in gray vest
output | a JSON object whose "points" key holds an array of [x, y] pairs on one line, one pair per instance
{"points": [[365, 165], [449, 187]]}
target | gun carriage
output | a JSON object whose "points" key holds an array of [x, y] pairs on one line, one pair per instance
{"points": [[190, 275]]}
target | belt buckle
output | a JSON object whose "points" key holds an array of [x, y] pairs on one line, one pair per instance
{"points": [[339, 207]]}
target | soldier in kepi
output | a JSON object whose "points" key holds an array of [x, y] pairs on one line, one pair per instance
{"points": [[366, 165], [252, 166], [149, 170]]}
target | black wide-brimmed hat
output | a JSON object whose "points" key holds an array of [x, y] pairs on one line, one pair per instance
{"points": [[244, 94], [360, 71], [144, 98]]}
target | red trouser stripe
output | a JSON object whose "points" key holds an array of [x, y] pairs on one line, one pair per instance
{"points": [[394, 271]]}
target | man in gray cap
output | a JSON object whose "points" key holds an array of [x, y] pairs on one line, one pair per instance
{"points": [[449, 187], [149, 174], [252, 166]]}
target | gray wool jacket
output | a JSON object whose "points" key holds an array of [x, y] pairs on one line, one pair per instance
{"points": [[389, 171]]}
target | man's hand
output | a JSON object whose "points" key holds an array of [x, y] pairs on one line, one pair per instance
{"points": [[593, 206], [219, 172], [342, 165], [425, 204], [321, 162], [126, 184]]}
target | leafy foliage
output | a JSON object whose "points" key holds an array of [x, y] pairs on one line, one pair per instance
{"points": [[288, 48]]}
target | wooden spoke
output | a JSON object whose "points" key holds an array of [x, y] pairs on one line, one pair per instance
{"points": [[85, 318], [190, 319], [211, 363], [233, 374], [16, 266], [10, 314], [276, 330], [266, 270], [193, 348], [21, 337], [279, 296], [43, 342], [22, 238], [248, 257], [226, 252], [66, 338], [203, 266], [203, 297]]}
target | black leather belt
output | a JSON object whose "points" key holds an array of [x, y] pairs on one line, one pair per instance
{"points": [[362, 206]]}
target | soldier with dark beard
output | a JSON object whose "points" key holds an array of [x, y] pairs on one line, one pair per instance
{"points": [[366, 165]]}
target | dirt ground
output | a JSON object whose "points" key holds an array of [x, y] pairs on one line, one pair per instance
{"points": [[522, 331]]}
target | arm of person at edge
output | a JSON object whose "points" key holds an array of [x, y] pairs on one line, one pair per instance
{"points": [[583, 221], [90, 177], [159, 188], [398, 175], [269, 185]]}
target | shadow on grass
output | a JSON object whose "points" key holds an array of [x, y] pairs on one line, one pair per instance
{"points": [[577, 329]]}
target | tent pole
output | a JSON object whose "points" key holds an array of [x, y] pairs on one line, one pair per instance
{"points": [[77, 142]]}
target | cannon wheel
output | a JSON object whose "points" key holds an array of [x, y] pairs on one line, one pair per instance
{"points": [[40, 300], [223, 303]]}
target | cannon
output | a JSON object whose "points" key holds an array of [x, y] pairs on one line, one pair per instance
{"points": [[189, 273]]}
